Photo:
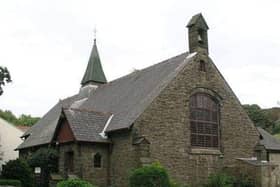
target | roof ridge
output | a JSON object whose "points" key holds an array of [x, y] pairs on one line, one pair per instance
{"points": [[87, 110], [141, 70]]}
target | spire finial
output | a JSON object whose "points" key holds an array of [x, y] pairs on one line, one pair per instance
{"points": [[95, 31]]}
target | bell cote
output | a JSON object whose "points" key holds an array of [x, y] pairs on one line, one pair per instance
{"points": [[198, 37]]}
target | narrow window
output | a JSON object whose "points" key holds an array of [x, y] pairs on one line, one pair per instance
{"points": [[202, 66], [97, 160], [204, 121], [200, 36]]}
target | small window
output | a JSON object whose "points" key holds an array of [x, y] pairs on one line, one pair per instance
{"points": [[97, 160], [202, 66]]}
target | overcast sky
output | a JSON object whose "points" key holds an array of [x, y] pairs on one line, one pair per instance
{"points": [[46, 44]]}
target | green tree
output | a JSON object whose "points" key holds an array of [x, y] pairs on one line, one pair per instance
{"points": [[47, 160], [20, 170], [259, 117], [4, 78], [27, 120], [8, 116]]}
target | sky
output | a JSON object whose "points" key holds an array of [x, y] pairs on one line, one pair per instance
{"points": [[46, 44]]}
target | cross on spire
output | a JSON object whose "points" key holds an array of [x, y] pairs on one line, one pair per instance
{"points": [[95, 31]]}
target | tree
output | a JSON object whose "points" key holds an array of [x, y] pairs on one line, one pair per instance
{"points": [[4, 78], [27, 120], [259, 117]]}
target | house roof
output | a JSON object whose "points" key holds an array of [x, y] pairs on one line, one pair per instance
{"points": [[126, 98], [94, 72], [268, 141], [92, 124]]}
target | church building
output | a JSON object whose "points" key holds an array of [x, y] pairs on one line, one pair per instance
{"points": [[180, 112]]}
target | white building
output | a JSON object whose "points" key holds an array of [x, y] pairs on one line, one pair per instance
{"points": [[9, 140]]}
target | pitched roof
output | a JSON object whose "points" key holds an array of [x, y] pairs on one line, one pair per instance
{"points": [[42, 132], [126, 98], [199, 20], [268, 141], [92, 124], [94, 71]]}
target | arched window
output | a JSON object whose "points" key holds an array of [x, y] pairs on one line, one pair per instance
{"points": [[97, 160], [204, 119]]}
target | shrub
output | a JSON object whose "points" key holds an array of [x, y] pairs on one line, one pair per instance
{"points": [[18, 169], [47, 160], [153, 175], [244, 181], [220, 180], [10, 182], [74, 183]]}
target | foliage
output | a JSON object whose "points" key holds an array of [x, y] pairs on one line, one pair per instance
{"points": [[46, 158], [220, 180], [175, 184], [18, 169], [27, 120], [10, 182], [8, 116], [4, 78], [259, 117], [276, 127], [74, 183], [244, 181], [153, 175]]}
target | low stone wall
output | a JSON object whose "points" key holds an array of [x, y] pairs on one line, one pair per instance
{"points": [[264, 174]]}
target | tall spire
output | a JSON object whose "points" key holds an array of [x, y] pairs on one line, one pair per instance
{"points": [[94, 73]]}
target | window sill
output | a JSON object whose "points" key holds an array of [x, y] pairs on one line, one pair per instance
{"points": [[202, 151]]}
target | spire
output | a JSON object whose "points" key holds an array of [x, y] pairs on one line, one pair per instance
{"points": [[198, 38], [94, 73]]}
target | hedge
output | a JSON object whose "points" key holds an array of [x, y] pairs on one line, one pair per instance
{"points": [[74, 183]]}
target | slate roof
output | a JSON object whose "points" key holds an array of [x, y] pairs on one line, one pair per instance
{"points": [[268, 141], [94, 71], [92, 122], [126, 98]]}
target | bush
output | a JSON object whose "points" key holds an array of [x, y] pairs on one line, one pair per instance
{"points": [[244, 181], [220, 180], [224, 180], [18, 169], [74, 183], [47, 160], [10, 182], [153, 175]]}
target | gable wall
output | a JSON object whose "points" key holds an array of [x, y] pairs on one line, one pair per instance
{"points": [[165, 123], [65, 133]]}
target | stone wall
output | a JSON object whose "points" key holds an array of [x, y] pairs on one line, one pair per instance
{"points": [[83, 162], [264, 174], [165, 124], [124, 158]]}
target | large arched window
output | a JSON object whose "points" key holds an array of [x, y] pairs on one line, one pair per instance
{"points": [[204, 119]]}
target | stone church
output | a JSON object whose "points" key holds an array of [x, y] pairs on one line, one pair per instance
{"points": [[180, 112]]}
